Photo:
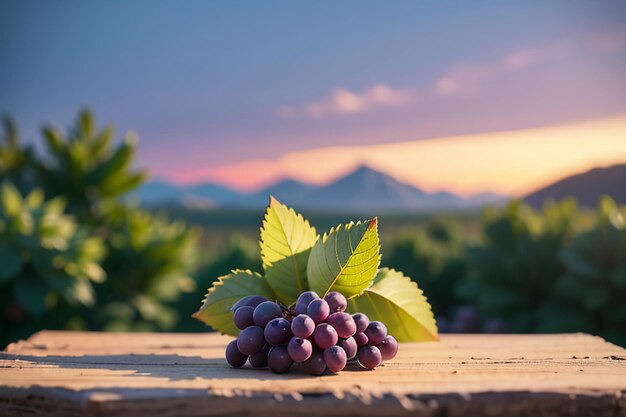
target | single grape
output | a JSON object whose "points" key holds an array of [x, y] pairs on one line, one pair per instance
{"points": [[250, 340], [259, 359], [376, 332], [336, 301], [315, 365], [361, 321], [350, 346], [388, 348], [318, 310], [302, 326], [248, 300], [335, 358], [265, 312], [243, 317], [325, 336], [299, 349], [370, 357], [343, 323], [361, 339], [303, 301], [234, 357], [277, 331], [278, 359]]}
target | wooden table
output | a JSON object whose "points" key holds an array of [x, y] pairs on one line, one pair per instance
{"points": [[150, 374]]}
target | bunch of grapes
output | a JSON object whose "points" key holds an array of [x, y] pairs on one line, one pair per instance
{"points": [[316, 332]]}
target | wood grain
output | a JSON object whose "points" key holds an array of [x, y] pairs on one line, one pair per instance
{"points": [[97, 374]]}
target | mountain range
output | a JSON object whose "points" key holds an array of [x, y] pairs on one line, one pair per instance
{"points": [[363, 190], [367, 190], [587, 187]]}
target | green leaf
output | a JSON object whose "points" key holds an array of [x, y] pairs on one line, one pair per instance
{"points": [[11, 199], [398, 302], [286, 241], [345, 260], [10, 262], [225, 292]]}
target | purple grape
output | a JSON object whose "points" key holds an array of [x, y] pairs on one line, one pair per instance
{"points": [[343, 323], [303, 301], [259, 359], [234, 357], [278, 359], [299, 349], [388, 348], [361, 321], [243, 317], [248, 300], [335, 358], [277, 331], [370, 357], [265, 312], [250, 340], [315, 365], [336, 301], [350, 346], [361, 339], [376, 332], [318, 310], [302, 326], [325, 336]]}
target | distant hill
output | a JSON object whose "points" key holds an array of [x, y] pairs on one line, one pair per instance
{"points": [[586, 187], [363, 190]]}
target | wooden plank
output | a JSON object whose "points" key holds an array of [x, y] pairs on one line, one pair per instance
{"points": [[94, 374]]}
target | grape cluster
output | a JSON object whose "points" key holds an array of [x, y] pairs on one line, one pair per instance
{"points": [[316, 332]]}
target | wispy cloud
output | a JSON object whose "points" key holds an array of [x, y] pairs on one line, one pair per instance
{"points": [[468, 77], [461, 78], [342, 101]]}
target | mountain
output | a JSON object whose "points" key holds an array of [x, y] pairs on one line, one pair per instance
{"points": [[363, 190], [203, 195], [587, 187], [368, 190]]}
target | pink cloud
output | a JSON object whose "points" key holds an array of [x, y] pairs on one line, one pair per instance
{"points": [[342, 101]]}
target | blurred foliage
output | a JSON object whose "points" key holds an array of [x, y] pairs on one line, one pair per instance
{"points": [[434, 256], [48, 264], [76, 225], [88, 169], [592, 289]]}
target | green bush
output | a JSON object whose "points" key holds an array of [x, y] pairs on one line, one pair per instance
{"points": [[49, 264], [435, 258], [147, 258], [592, 290], [511, 275]]}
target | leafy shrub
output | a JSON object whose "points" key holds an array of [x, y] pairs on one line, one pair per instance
{"points": [[148, 259], [434, 256], [511, 275], [592, 289], [49, 263]]}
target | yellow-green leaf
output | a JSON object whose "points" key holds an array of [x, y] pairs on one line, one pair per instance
{"points": [[286, 241], [399, 303], [226, 291], [345, 260]]}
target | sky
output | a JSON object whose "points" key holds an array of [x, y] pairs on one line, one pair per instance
{"points": [[235, 92]]}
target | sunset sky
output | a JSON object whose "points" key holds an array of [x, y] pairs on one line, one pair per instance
{"points": [[464, 96]]}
